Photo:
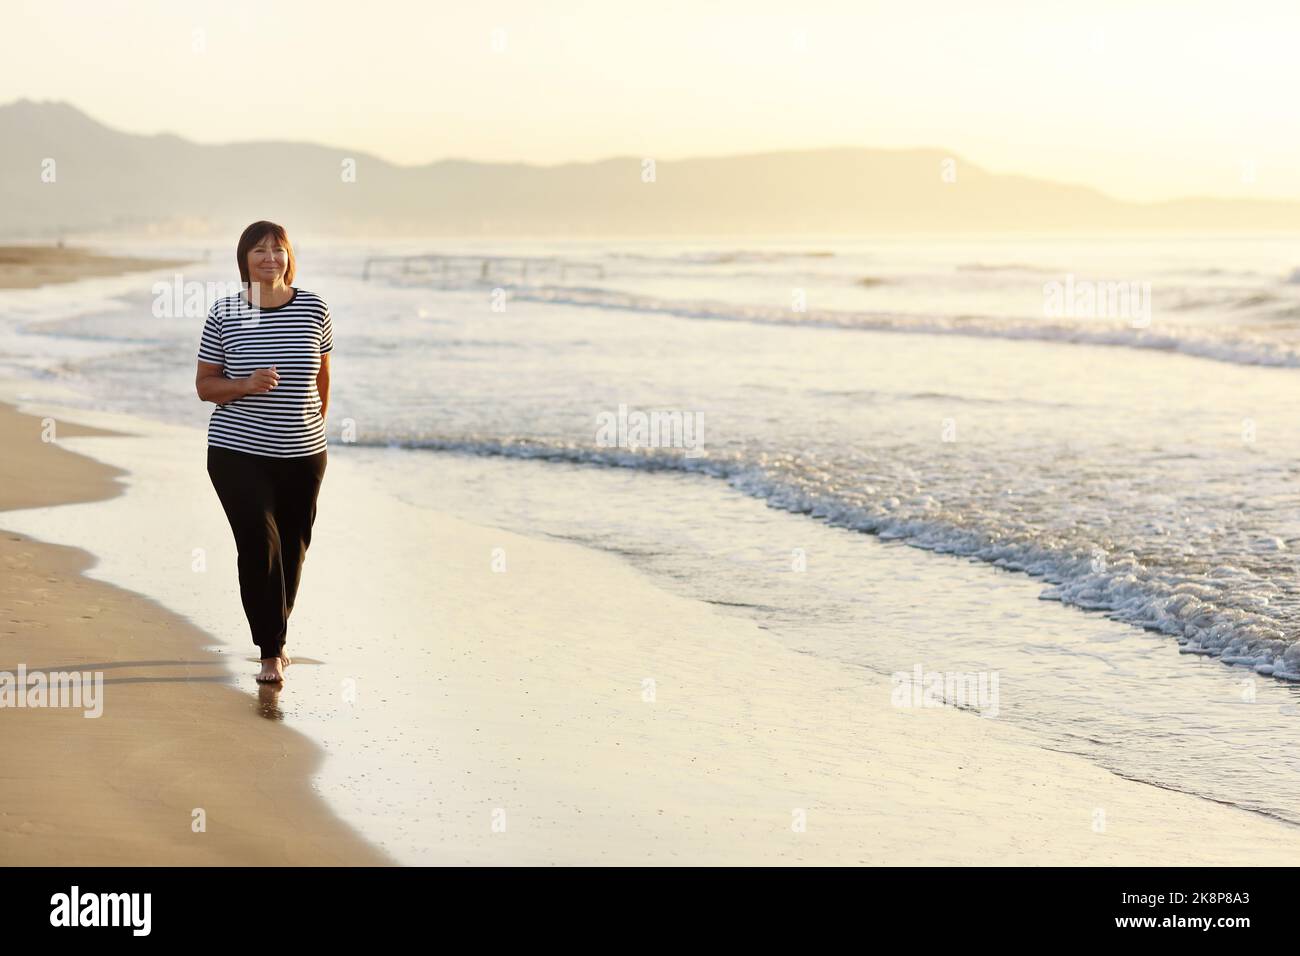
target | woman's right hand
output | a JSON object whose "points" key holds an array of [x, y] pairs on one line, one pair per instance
{"points": [[262, 380]]}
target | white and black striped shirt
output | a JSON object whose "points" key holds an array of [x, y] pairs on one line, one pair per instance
{"points": [[285, 422]]}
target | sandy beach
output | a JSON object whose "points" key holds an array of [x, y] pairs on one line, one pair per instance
{"points": [[551, 747], [34, 265], [174, 737]]}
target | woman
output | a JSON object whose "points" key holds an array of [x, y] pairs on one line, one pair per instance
{"points": [[264, 361]]}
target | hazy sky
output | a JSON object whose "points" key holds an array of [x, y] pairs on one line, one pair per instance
{"points": [[1146, 100]]}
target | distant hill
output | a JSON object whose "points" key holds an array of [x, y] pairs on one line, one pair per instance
{"points": [[106, 179]]}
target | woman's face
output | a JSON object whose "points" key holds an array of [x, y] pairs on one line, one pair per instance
{"points": [[267, 260]]}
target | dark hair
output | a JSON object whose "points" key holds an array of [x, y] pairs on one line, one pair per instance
{"points": [[255, 234]]}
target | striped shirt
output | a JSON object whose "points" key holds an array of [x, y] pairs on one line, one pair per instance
{"points": [[285, 422]]}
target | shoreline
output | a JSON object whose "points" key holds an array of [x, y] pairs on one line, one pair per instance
{"points": [[533, 693], [31, 266]]}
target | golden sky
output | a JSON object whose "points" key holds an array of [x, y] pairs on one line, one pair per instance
{"points": [[1146, 100]]}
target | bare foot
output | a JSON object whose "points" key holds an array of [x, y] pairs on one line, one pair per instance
{"points": [[272, 671]]}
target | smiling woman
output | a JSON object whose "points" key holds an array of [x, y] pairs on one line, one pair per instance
{"points": [[264, 361]]}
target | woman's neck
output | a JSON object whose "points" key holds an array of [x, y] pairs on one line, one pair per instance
{"points": [[269, 295]]}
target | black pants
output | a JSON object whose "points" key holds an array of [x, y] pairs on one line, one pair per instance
{"points": [[271, 506]]}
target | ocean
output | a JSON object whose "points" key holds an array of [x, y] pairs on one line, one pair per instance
{"points": [[1112, 425]]}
